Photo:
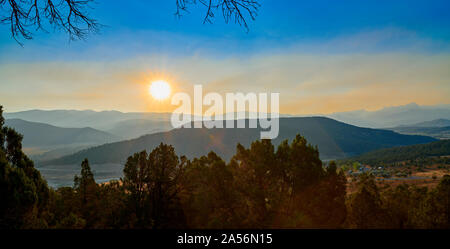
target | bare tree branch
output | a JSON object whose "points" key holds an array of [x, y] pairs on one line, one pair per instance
{"points": [[237, 10], [72, 16], [69, 15]]}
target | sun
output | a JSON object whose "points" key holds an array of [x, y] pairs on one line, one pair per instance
{"points": [[159, 89]]}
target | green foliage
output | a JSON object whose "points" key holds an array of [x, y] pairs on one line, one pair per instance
{"points": [[355, 166], [85, 184], [153, 184], [365, 206], [24, 194], [437, 205], [441, 132], [403, 207], [418, 153], [262, 186], [208, 188]]}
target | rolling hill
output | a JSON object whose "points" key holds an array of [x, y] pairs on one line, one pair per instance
{"points": [[128, 125], [334, 140], [403, 153], [102, 120], [442, 122], [437, 128], [436, 132], [134, 128], [40, 134]]}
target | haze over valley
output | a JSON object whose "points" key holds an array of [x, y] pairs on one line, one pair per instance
{"points": [[57, 140]]}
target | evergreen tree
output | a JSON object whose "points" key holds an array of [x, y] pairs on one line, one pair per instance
{"points": [[365, 206], [166, 170], [136, 177], [153, 184], [85, 183], [208, 189], [88, 195], [23, 192], [437, 206]]}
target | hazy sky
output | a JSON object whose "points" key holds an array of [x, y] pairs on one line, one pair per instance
{"points": [[322, 56]]}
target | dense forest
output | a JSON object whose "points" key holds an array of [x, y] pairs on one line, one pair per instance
{"points": [[260, 187], [431, 152]]}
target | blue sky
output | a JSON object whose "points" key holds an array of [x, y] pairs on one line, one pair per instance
{"points": [[306, 45], [148, 26]]}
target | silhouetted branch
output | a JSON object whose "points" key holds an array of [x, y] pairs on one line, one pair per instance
{"points": [[237, 10], [68, 15], [72, 15]]}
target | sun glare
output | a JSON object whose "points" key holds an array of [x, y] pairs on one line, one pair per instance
{"points": [[159, 90]]}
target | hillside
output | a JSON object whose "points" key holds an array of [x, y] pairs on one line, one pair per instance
{"points": [[102, 120], [134, 128], [442, 122], [405, 115], [403, 153], [45, 135], [334, 140], [436, 132]]}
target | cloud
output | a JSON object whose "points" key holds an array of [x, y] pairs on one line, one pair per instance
{"points": [[310, 78]]}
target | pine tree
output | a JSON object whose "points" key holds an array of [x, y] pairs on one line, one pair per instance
{"points": [[153, 182], [85, 183], [24, 193], [365, 206]]}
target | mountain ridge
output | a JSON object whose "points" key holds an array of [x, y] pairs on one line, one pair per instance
{"points": [[441, 122], [393, 116], [334, 139], [386, 117], [42, 134], [404, 153]]}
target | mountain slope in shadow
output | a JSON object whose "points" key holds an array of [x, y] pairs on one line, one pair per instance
{"points": [[41, 134], [334, 140]]}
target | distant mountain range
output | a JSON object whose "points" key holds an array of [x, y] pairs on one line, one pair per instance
{"points": [[438, 128], [145, 122], [50, 134], [442, 122], [334, 140], [103, 120], [124, 125], [40, 134], [393, 116], [134, 128]]}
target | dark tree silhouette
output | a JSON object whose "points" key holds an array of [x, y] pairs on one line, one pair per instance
{"points": [[261, 187], [23, 192], [84, 183], [153, 183], [365, 205]]}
